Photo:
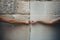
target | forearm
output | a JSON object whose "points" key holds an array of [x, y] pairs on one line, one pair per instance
{"points": [[16, 21], [45, 21], [49, 21], [8, 20]]}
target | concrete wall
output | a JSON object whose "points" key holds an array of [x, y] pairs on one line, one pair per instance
{"points": [[44, 11], [7, 6], [44, 0], [15, 31], [22, 6], [38, 10]]}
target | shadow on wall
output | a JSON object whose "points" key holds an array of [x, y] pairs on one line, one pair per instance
{"points": [[14, 31]]}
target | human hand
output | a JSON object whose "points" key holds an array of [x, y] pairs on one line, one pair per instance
{"points": [[33, 21], [30, 22], [26, 22]]}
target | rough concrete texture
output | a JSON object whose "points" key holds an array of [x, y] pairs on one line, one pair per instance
{"points": [[14, 6], [22, 6], [7, 6]]}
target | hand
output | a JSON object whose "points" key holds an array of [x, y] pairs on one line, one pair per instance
{"points": [[30, 22], [26, 22], [33, 21]]}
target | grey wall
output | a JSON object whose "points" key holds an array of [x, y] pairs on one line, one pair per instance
{"points": [[15, 31], [44, 0], [44, 11], [38, 10]]}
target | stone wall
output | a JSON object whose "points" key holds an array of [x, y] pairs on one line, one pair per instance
{"points": [[19, 10]]}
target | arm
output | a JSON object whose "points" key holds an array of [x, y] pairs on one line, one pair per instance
{"points": [[49, 21], [8, 20], [45, 21]]}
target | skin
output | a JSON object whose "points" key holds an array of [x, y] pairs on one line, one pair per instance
{"points": [[8, 20], [46, 21]]}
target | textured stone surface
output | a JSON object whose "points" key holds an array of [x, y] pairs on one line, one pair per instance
{"points": [[14, 6], [7, 6], [22, 6]]}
